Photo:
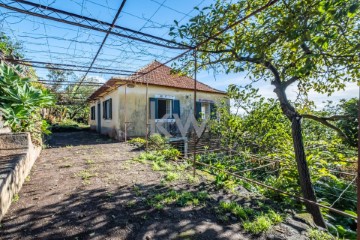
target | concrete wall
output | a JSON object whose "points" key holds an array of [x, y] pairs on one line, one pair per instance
{"points": [[134, 104], [17, 157]]}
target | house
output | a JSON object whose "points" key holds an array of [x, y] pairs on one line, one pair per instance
{"points": [[124, 107]]}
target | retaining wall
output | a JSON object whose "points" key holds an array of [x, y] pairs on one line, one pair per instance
{"points": [[17, 156]]}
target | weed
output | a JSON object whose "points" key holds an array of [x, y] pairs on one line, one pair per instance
{"points": [[159, 206], [275, 217], [137, 190], [234, 208], [262, 222], [109, 194], [137, 142], [172, 176], [131, 203], [170, 154], [180, 198], [191, 179], [15, 198], [259, 225], [28, 178], [315, 234], [89, 162], [86, 175]]}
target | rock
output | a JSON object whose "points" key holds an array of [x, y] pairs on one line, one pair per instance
{"points": [[306, 218]]}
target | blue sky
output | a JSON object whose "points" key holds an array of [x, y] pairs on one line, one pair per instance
{"points": [[49, 41]]}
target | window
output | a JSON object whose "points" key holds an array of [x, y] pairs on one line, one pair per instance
{"points": [[159, 107], [92, 110], [164, 107], [205, 110], [107, 109]]}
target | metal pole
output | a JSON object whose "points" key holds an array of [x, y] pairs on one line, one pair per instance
{"points": [[125, 119], [195, 83], [147, 114], [358, 173]]}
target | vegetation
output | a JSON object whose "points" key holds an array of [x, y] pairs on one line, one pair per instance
{"points": [[261, 149], [180, 198], [286, 43], [71, 98], [21, 102], [263, 222]]}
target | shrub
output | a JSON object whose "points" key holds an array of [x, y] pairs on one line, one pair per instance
{"points": [[138, 142], [21, 102], [263, 222], [170, 154]]}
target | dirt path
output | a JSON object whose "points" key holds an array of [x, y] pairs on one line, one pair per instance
{"points": [[84, 186]]}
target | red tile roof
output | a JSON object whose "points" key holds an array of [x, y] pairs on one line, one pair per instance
{"points": [[160, 75]]}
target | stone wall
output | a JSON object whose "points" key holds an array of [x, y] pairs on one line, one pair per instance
{"points": [[17, 156]]}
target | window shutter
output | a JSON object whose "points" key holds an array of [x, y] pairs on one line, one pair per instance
{"points": [[104, 109], [176, 107], [110, 108], [198, 110], [153, 113], [212, 111]]}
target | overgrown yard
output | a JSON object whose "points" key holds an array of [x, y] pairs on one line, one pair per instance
{"points": [[85, 186]]}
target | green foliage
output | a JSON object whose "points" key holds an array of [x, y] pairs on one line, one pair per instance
{"points": [[285, 39], [9, 48], [138, 142], [21, 102], [262, 136], [156, 141], [15, 198], [350, 124], [77, 109], [263, 222], [171, 176], [180, 198], [170, 154], [235, 209], [315, 234]]}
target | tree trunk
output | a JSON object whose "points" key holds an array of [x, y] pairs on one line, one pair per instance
{"points": [[304, 174], [303, 169]]}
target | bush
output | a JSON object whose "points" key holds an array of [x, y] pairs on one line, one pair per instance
{"points": [[21, 102], [170, 154], [138, 142]]}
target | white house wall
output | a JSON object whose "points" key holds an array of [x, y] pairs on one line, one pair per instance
{"points": [[136, 108], [108, 126], [136, 105]]}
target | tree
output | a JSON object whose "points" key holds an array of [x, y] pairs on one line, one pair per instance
{"points": [[311, 43], [71, 99]]}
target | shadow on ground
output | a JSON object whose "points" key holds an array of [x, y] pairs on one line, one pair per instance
{"points": [[120, 214], [80, 138]]}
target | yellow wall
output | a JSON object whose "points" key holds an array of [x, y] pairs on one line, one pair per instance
{"points": [[135, 104]]}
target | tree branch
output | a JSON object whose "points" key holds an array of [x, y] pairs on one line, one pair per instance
{"points": [[290, 81], [324, 121]]}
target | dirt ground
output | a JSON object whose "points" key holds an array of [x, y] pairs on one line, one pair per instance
{"points": [[85, 186]]}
